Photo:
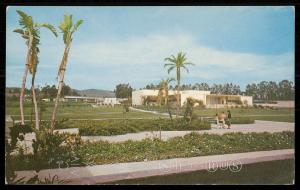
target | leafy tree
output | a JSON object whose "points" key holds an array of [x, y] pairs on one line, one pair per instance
{"points": [[123, 91], [178, 62], [67, 28]]}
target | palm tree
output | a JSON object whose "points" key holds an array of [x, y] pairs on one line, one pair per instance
{"points": [[177, 63], [67, 29], [164, 84], [30, 32]]}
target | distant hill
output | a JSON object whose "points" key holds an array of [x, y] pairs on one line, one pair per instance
{"points": [[87, 92], [96, 93]]}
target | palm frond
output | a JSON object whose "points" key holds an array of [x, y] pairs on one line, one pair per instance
{"points": [[170, 69], [78, 23], [170, 60], [26, 20], [189, 63], [187, 70], [48, 26], [20, 31], [169, 64]]}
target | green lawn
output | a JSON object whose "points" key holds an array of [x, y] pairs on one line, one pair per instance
{"points": [[75, 111], [86, 111], [273, 172], [276, 114]]}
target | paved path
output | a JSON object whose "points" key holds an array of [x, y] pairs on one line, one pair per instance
{"points": [[113, 172], [258, 126], [154, 112]]}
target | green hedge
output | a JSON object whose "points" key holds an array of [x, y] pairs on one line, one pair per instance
{"points": [[242, 120], [118, 127]]}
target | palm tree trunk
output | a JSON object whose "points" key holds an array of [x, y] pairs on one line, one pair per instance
{"points": [[60, 85], [22, 94], [167, 103], [177, 96], [37, 120], [24, 80]]}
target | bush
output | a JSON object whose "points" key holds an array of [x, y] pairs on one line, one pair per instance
{"points": [[118, 127], [190, 145], [242, 120]]}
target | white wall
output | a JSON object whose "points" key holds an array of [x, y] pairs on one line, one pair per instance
{"points": [[248, 99], [199, 95]]}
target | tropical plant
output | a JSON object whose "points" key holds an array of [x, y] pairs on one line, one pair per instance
{"points": [[165, 87], [67, 29], [189, 107], [177, 63], [30, 32]]}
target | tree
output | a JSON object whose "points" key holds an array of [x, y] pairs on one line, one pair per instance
{"points": [[67, 28], [123, 91], [30, 32], [189, 107], [165, 87], [286, 90], [177, 63]]}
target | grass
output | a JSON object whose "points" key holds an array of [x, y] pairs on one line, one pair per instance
{"points": [[78, 110], [267, 114], [188, 146], [272, 172], [75, 110]]}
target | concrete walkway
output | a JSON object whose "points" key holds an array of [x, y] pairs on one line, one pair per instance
{"points": [[154, 112], [258, 126], [113, 172]]}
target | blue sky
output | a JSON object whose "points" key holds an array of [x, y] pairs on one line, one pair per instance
{"points": [[116, 45]]}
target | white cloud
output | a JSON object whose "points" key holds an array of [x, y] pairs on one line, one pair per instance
{"points": [[139, 61], [150, 51]]}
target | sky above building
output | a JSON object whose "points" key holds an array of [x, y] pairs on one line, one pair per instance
{"points": [[115, 45]]}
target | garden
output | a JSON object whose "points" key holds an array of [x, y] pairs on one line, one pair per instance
{"points": [[54, 153]]}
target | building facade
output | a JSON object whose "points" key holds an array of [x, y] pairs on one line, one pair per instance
{"points": [[209, 100]]}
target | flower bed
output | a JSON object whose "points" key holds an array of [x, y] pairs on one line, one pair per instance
{"points": [[188, 146]]}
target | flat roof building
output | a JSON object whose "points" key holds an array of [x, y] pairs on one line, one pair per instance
{"points": [[139, 97]]}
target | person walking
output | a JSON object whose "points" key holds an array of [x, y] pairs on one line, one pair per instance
{"points": [[228, 118]]}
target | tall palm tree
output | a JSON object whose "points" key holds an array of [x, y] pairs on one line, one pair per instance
{"points": [[30, 32], [67, 29], [178, 62]]}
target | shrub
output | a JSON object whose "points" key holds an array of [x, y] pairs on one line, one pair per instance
{"points": [[118, 127], [190, 145], [242, 120]]}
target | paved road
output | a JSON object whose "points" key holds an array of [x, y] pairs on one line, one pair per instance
{"points": [[112, 172], [258, 126]]}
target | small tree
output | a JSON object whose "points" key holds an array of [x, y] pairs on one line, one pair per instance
{"points": [[30, 32], [67, 29]]}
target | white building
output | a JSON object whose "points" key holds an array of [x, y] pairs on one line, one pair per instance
{"points": [[113, 101], [208, 99]]}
